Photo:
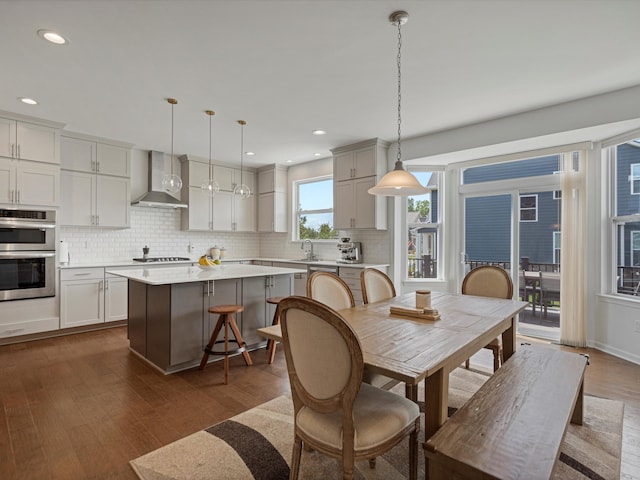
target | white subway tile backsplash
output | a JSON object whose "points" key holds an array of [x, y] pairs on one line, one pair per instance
{"points": [[160, 230]]}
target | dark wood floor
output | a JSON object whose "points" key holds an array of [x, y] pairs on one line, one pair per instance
{"points": [[82, 406]]}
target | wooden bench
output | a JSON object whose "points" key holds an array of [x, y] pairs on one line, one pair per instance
{"points": [[514, 425]]}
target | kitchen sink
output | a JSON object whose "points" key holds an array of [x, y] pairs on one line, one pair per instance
{"points": [[307, 260]]}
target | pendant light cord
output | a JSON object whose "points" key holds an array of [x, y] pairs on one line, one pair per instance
{"points": [[171, 159], [210, 115], [241, 153], [399, 58]]}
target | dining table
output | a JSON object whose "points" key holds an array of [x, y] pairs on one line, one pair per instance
{"points": [[412, 350]]}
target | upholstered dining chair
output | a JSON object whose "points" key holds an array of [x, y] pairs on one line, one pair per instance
{"points": [[335, 413], [376, 286], [489, 281], [330, 289]]}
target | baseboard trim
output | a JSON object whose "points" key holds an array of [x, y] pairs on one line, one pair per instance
{"points": [[60, 333]]}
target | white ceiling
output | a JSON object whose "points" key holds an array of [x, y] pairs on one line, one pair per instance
{"points": [[289, 67]]}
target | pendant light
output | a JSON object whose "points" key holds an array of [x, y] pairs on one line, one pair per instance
{"points": [[172, 183], [242, 191], [398, 182], [211, 187]]}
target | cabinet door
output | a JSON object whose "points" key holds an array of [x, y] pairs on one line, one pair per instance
{"points": [[246, 177], [278, 286], [37, 184], [7, 180], [221, 214], [245, 214], [36, 142], [78, 199], [223, 292], [365, 204], [113, 160], [112, 201], [199, 211], [254, 314], [343, 166], [280, 212], [343, 205], [77, 154], [225, 177], [198, 173], [81, 302], [266, 212], [266, 181], [7, 136], [115, 298], [364, 162]]}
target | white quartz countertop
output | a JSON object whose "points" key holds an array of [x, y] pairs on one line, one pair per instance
{"points": [[131, 263], [186, 274]]}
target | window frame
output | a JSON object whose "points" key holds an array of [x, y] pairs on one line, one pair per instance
{"points": [[632, 235], [634, 178], [297, 213], [520, 208], [557, 246]]}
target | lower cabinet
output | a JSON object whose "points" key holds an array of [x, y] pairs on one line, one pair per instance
{"points": [[169, 325], [351, 277], [88, 296]]}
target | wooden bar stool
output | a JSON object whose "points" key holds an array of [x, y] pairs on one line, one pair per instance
{"points": [[271, 344], [227, 319]]}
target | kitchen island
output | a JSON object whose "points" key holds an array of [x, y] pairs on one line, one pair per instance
{"points": [[169, 323]]}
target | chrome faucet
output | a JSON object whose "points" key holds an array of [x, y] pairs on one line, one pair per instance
{"points": [[310, 255]]}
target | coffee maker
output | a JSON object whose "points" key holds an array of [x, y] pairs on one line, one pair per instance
{"points": [[351, 252]]}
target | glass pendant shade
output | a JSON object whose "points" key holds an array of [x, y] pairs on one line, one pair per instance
{"points": [[210, 187], [171, 182], [398, 183], [242, 191]]}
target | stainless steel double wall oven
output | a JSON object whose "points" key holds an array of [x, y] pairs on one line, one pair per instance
{"points": [[27, 253]]}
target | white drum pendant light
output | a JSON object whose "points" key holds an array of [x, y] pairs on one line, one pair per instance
{"points": [[398, 182], [172, 183], [211, 187], [242, 191]]}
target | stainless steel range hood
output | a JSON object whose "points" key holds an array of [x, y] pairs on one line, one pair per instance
{"points": [[156, 196]]}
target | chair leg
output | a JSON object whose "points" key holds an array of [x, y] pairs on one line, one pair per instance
{"points": [[496, 358], [372, 463], [466, 364], [271, 344], [236, 333], [295, 458]]}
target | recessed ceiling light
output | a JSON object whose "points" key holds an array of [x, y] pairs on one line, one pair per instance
{"points": [[249, 153], [289, 161], [53, 37], [28, 101], [319, 132], [317, 154]]}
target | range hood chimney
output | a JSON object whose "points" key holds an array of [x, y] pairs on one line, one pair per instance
{"points": [[156, 196]]}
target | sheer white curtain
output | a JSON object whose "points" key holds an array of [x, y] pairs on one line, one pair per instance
{"points": [[573, 248]]}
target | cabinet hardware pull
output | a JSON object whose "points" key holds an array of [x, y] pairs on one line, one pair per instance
{"points": [[18, 150], [81, 274], [17, 196], [97, 166], [101, 285], [13, 147]]}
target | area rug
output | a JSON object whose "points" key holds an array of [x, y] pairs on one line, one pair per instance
{"points": [[257, 444]]}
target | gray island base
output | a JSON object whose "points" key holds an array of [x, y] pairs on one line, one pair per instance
{"points": [[169, 324]]}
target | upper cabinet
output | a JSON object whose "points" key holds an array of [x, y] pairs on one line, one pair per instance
{"points": [[223, 212], [26, 140], [29, 161], [356, 168], [272, 204], [95, 181]]}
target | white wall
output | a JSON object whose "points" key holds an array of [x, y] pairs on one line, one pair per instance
{"points": [[611, 320]]}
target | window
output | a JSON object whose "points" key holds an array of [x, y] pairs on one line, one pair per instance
{"points": [[423, 228], [624, 158], [557, 194], [634, 179], [314, 216], [528, 208], [556, 247]]}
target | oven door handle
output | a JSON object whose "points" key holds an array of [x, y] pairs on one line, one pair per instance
{"points": [[22, 224], [24, 254]]}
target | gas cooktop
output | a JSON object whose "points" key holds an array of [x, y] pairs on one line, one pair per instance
{"points": [[162, 259]]}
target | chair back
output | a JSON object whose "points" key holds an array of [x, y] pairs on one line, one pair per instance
{"points": [[488, 281], [330, 289], [323, 355], [376, 286]]}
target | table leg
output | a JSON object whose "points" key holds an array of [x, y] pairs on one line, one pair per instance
{"points": [[509, 340], [578, 410], [436, 393]]}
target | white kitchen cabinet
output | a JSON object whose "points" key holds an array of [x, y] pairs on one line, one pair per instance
{"points": [[115, 298], [30, 141], [356, 169], [351, 277], [81, 297], [272, 205], [95, 182], [258, 313], [299, 279], [94, 200], [223, 212], [29, 183]]}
